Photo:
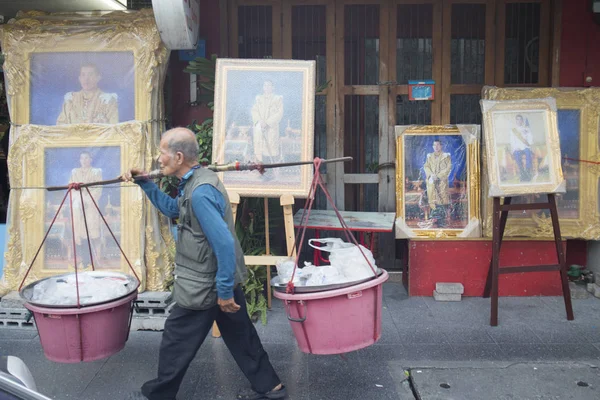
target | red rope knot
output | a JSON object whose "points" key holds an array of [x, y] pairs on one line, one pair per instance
{"points": [[290, 286], [75, 185], [317, 162]]}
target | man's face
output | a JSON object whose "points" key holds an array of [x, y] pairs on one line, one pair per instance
{"points": [[519, 120], [268, 87], [88, 78], [85, 160], [167, 160], [437, 146]]}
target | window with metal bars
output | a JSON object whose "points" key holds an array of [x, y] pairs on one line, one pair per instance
{"points": [[255, 31], [414, 59], [414, 42], [468, 44], [138, 4], [361, 44], [522, 43]]}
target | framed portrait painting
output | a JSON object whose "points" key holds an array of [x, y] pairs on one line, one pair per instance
{"points": [[102, 72], [264, 113], [92, 87], [578, 122], [522, 147], [57, 156], [437, 183]]}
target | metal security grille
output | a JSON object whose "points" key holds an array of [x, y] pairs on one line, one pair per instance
{"points": [[138, 4], [464, 109], [522, 43], [414, 59], [412, 112], [309, 37], [362, 142], [414, 42], [361, 44], [468, 44], [255, 32]]}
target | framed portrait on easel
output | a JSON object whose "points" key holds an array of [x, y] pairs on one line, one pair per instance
{"points": [[264, 113], [522, 147]]}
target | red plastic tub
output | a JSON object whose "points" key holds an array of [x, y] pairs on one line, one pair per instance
{"points": [[72, 335], [336, 321]]}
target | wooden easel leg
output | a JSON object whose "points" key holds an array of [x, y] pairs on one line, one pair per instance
{"points": [[502, 222], [561, 257], [496, 243]]}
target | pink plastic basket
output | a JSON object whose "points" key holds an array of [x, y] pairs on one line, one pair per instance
{"points": [[72, 335], [336, 321]]}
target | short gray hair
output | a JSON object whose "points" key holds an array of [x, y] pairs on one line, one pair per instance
{"points": [[189, 149]]}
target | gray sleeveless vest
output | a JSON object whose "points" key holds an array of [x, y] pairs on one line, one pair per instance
{"points": [[195, 263]]}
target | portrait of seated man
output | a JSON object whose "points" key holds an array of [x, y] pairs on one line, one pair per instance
{"points": [[90, 104]]}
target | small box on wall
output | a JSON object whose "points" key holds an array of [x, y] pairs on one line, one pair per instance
{"points": [[421, 90]]}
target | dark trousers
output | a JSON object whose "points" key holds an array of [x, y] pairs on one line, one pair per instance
{"points": [[185, 331]]}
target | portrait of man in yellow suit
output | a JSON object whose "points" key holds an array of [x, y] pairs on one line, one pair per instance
{"points": [[267, 112], [90, 104]]}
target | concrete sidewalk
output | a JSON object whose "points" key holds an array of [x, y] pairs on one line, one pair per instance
{"points": [[534, 353]]}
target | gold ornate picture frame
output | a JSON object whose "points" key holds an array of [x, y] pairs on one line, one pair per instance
{"points": [[578, 120], [264, 112], [437, 183], [45, 156], [522, 147], [44, 58]]}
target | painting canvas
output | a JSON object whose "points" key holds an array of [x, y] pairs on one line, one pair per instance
{"points": [[92, 87], [64, 165], [523, 152], [436, 181], [264, 113]]}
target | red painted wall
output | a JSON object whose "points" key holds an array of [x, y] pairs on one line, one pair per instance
{"points": [[468, 262], [182, 112], [580, 44]]}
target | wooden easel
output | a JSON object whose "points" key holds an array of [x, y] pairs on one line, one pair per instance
{"points": [[286, 201], [499, 223]]}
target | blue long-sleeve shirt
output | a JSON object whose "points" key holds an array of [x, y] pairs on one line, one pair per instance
{"points": [[209, 207]]}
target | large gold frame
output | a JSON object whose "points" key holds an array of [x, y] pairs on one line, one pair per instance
{"points": [[470, 134], [26, 162], [39, 32], [587, 224], [267, 189], [135, 32]]}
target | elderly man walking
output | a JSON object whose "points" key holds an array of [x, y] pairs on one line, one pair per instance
{"points": [[209, 271]]}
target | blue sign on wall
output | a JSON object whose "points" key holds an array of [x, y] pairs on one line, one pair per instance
{"points": [[421, 90], [189, 55]]}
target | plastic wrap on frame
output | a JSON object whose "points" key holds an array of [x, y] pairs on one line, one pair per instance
{"points": [[44, 156], [437, 187], [528, 159]]}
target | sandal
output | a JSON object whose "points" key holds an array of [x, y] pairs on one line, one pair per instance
{"points": [[252, 395]]}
